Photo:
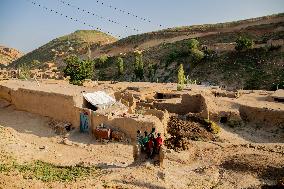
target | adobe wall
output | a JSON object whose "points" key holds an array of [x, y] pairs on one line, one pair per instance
{"points": [[127, 99], [190, 103], [261, 115], [128, 125], [57, 106], [5, 93]]}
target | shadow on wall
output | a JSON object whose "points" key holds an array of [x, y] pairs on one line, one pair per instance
{"points": [[189, 104]]}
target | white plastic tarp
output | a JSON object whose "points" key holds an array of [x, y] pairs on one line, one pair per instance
{"points": [[99, 98]]}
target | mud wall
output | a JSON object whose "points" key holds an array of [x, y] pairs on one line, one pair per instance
{"points": [[128, 125], [190, 103], [5, 93], [57, 106], [262, 116], [162, 115]]}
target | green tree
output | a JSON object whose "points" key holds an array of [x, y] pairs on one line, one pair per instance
{"points": [[196, 54], [193, 44], [120, 66], [139, 65], [181, 78], [244, 43], [78, 70]]}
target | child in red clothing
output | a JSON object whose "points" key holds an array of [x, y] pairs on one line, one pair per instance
{"points": [[159, 142]]}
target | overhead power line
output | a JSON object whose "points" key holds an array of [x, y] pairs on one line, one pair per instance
{"points": [[126, 12], [98, 16], [71, 18]]}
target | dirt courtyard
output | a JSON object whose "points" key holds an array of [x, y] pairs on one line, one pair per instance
{"points": [[238, 161]]}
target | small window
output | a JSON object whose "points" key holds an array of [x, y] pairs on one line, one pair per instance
{"points": [[223, 119]]}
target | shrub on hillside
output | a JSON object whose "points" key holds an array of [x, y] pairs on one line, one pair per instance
{"points": [[120, 66], [138, 65], [78, 70], [244, 43], [193, 44], [181, 78], [197, 55]]}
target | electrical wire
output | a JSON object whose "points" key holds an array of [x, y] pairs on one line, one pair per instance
{"points": [[71, 18], [126, 12], [98, 16]]}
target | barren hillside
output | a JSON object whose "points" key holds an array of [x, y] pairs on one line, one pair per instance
{"points": [[8, 55]]}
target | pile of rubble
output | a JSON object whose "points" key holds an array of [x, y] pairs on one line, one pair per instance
{"points": [[60, 127], [182, 132]]}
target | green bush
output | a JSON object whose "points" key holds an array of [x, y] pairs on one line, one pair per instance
{"points": [[197, 55], [193, 44], [139, 66], [244, 43], [120, 66], [78, 70], [213, 127]]}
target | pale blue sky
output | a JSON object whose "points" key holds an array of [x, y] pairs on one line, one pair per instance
{"points": [[25, 26]]}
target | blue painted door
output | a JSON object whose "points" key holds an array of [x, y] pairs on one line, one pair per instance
{"points": [[84, 122]]}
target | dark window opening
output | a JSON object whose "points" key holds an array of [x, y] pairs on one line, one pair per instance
{"points": [[223, 120], [160, 96], [278, 100]]}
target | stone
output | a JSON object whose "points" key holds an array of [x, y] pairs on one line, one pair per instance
{"points": [[42, 147]]}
